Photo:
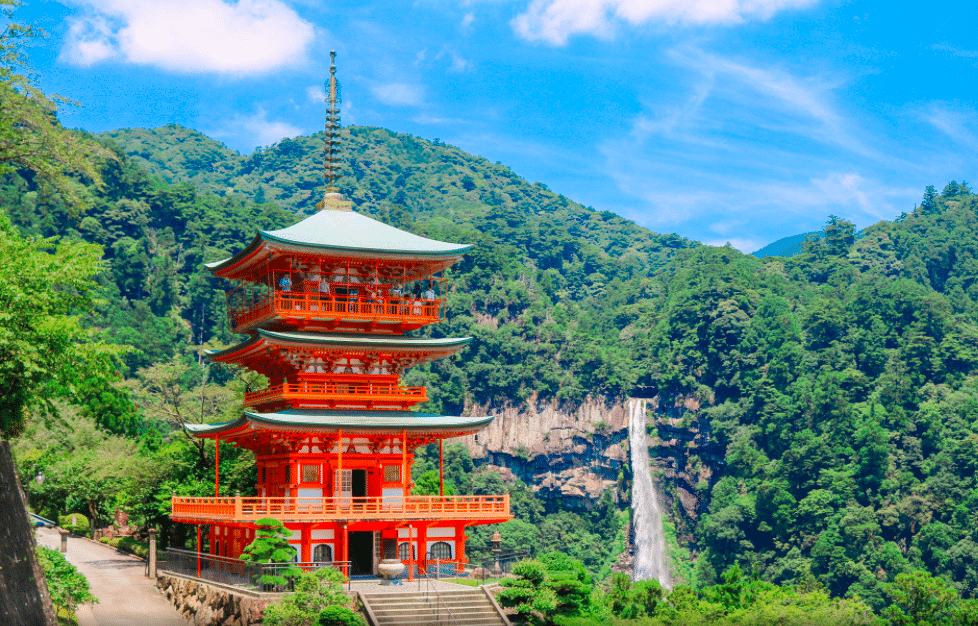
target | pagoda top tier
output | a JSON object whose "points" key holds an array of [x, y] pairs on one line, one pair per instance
{"points": [[339, 234]]}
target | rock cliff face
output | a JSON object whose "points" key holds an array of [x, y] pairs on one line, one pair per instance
{"points": [[571, 455], [574, 455]]}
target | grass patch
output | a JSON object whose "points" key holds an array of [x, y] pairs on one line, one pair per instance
{"points": [[128, 544], [65, 618]]}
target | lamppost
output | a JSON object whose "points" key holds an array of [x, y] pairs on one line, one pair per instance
{"points": [[27, 487]]}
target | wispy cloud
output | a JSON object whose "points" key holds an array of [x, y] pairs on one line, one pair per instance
{"points": [[189, 36], [744, 142], [398, 94], [955, 51], [554, 21], [256, 129], [316, 93], [957, 122]]}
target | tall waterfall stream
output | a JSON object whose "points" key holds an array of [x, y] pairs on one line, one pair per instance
{"points": [[651, 557]]}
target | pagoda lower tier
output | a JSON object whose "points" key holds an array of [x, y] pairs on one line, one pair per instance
{"points": [[340, 480]]}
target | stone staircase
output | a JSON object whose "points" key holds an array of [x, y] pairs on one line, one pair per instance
{"points": [[467, 607]]}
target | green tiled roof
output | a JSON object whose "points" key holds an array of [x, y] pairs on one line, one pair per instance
{"points": [[355, 421], [348, 231]]}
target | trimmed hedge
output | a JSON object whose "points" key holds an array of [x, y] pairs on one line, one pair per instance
{"points": [[76, 523]]}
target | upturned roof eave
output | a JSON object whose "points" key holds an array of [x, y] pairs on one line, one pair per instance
{"points": [[329, 422], [337, 339], [222, 267]]}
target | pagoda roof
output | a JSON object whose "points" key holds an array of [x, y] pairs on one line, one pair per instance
{"points": [[353, 422], [347, 234], [394, 343]]}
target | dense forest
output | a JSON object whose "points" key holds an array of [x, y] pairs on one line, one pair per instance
{"points": [[837, 385]]}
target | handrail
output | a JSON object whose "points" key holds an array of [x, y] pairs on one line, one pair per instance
{"points": [[339, 507], [312, 304], [443, 603], [331, 390], [232, 571]]}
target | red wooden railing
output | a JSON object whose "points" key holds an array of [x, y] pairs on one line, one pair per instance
{"points": [[415, 312], [338, 393], [300, 508]]}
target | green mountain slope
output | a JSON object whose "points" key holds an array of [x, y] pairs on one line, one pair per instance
{"points": [[786, 246], [393, 176], [835, 389]]}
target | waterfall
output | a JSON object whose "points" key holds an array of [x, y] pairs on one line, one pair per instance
{"points": [[651, 557]]}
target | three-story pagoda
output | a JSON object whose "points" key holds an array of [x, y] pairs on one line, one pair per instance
{"points": [[325, 304]]}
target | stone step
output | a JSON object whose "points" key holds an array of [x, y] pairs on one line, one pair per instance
{"points": [[468, 607]]}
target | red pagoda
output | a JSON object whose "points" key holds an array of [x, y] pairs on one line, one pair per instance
{"points": [[325, 304]]}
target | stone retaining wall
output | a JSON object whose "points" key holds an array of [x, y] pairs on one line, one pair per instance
{"points": [[211, 604]]}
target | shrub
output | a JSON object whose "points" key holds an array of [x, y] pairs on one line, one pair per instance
{"points": [[76, 523], [339, 616], [315, 592], [130, 545], [271, 546], [68, 587]]}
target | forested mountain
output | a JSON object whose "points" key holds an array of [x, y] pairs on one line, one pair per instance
{"points": [[837, 386]]}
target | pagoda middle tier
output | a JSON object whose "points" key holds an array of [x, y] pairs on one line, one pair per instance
{"points": [[334, 371]]}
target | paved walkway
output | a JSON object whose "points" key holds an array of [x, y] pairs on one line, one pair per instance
{"points": [[126, 596], [421, 585]]}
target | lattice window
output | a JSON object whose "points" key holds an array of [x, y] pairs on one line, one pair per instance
{"points": [[392, 473], [310, 473], [404, 550], [322, 553], [347, 483], [441, 551]]}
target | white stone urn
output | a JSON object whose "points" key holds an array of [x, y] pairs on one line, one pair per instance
{"points": [[389, 569]]}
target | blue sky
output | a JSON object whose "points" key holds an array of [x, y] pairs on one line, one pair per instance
{"points": [[722, 120]]}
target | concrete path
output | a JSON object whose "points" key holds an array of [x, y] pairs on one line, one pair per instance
{"points": [[126, 596]]}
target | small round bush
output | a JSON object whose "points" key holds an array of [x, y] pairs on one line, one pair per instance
{"points": [[74, 522], [339, 616]]}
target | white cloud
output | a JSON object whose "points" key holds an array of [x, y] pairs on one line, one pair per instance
{"points": [[553, 21], [190, 36], [316, 94], [468, 19], [398, 94], [92, 42], [255, 130]]}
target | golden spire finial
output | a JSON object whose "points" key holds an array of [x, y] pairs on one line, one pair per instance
{"points": [[331, 157]]}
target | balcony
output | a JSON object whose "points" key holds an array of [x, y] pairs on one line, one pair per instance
{"points": [[487, 509], [302, 310], [332, 394]]}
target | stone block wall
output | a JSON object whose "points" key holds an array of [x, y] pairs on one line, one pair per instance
{"points": [[203, 604]]}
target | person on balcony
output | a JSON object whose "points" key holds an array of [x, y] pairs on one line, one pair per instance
{"points": [[429, 294], [324, 292]]}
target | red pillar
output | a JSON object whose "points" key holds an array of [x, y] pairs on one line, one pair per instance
{"points": [[441, 467], [305, 554], [198, 551], [460, 547], [423, 549], [345, 551], [217, 466], [411, 550]]}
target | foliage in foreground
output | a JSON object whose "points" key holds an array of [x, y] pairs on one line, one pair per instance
{"points": [[68, 587], [318, 600], [555, 590], [271, 545]]}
